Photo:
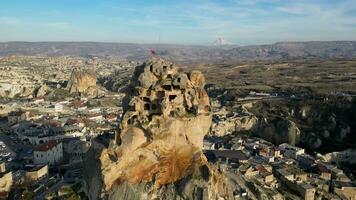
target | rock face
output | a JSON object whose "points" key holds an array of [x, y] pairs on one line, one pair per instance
{"points": [[83, 82], [16, 90], [279, 130], [225, 123], [346, 156], [160, 155], [43, 90]]}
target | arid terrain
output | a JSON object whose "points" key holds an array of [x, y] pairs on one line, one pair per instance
{"points": [[185, 53], [263, 112]]}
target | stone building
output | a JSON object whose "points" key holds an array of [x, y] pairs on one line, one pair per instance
{"points": [[347, 190], [37, 173], [6, 182], [2, 167], [50, 153], [296, 180], [16, 117]]}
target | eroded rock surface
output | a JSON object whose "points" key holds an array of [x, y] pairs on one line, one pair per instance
{"points": [[83, 82], [158, 154]]}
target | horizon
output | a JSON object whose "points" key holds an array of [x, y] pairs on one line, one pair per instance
{"points": [[198, 22], [178, 44]]}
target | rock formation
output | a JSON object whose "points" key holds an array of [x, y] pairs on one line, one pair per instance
{"points": [[279, 130], [43, 90], [83, 82], [226, 123], [16, 90], [160, 156]]}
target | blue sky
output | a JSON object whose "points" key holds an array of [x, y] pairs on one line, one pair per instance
{"points": [[178, 21]]}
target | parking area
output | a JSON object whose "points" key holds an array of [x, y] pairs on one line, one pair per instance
{"points": [[6, 153]]}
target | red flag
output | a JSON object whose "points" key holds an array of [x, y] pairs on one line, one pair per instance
{"points": [[152, 52]]}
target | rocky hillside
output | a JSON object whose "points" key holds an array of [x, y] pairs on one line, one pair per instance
{"points": [[293, 50], [185, 53], [158, 153], [319, 125]]}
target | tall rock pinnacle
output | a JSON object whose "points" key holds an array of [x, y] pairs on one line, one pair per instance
{"points": [[163, 126], [166, 117]]}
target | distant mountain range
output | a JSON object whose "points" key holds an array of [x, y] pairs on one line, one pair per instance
{"points": [[280, 50]]}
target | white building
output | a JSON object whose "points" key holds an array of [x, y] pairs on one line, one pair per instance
{"points": [[96, 117], [50, 152], [75, 149], [39, 101], [58, 107], [291, 151]]}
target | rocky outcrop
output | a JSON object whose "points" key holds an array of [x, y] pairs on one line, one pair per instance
{"points": [[43, 90], [83, 82], [225, 123], [279, 130], [158, 154], [205, 183], [347, 156], [16, 90], [315, 124]]}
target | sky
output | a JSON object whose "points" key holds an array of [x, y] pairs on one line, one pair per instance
{"points": [[242, 22]]}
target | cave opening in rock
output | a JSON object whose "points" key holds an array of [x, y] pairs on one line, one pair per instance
{"points": [[172, 97]]}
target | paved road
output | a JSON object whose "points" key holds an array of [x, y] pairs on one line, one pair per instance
{"points": [[15, 147], [9, 145], [55, 187]]}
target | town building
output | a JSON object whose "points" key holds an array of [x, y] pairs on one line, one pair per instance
{"points": [[290, 150], [2, 167], [16, 117], [75, 149], [6, 182], [295, 179], [58, 107], [50, 153], [37, 173], [346, 190]]}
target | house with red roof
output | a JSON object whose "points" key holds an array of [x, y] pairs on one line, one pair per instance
{"points": [[50, 153]]}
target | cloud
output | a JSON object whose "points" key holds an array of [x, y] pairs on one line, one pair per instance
{"points": [[245, 21], [203, 21]]}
